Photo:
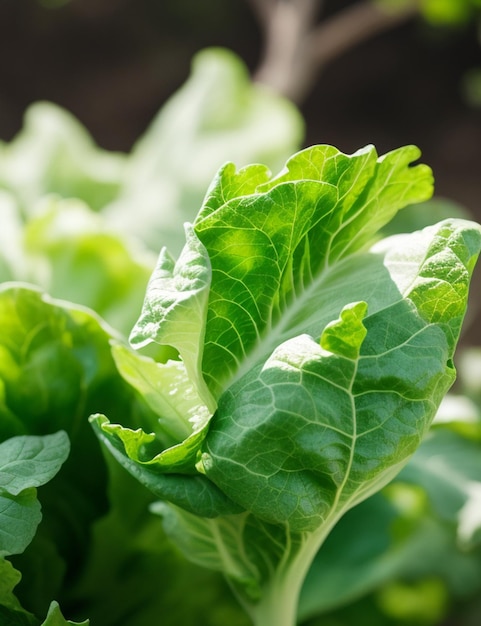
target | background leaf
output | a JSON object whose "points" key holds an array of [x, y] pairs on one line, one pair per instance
{"points": [[55, 363], [27, 462], [218, 115], [55, 618], [19, 517]]}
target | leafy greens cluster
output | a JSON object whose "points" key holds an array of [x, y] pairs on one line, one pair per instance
{"points": [[286, 366]]}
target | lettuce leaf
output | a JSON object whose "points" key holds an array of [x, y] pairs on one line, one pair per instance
{"points": [[218, 115], [54, 154], [67, 250]]}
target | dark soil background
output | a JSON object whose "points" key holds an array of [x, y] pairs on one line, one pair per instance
{"points": [[113, 63]]}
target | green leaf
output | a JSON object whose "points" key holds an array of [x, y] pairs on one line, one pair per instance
{"points": [[218, 115], [19, 517], [142, 448], [175, 309], [27, 462], [9, 578], [270, 250], [71, 253], [261, 281], [53, 153], [55, 361], [168, 391], [55, 618], [194, 493]]}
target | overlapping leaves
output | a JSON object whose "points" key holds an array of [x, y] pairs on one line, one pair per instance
{"points": [[268, 267]]}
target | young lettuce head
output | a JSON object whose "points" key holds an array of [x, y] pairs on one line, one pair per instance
{"points": [[310, 360]]}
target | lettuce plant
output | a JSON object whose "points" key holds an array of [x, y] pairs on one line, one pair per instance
{"points": [[299, 361], [286, 366]]}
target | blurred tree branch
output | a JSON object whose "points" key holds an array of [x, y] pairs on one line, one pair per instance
{"points": [[296, 47]]}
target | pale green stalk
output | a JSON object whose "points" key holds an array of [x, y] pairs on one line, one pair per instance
{"points": [[279, 603]]}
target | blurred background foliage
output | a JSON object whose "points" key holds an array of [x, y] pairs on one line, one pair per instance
{"points": [[113, 63], [114, 116]]}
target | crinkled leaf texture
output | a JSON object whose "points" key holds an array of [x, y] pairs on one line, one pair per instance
{"points": [[321, 354], [343, 423]]}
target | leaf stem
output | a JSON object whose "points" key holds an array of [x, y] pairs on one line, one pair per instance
{"points": [[278, 605]]}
